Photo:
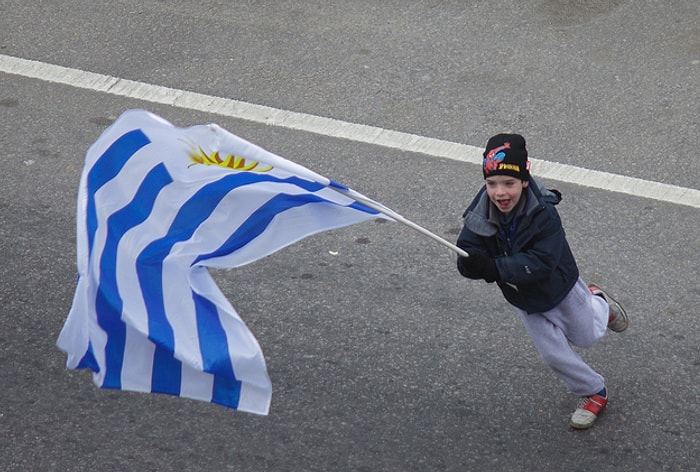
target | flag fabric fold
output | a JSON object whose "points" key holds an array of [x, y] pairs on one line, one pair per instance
{"points": [[157, 206]]}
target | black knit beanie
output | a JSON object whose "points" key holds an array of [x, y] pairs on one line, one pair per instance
{"points": [[506, 154]]}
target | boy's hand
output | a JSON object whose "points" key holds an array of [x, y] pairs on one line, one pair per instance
{"points": [[480, 266]]}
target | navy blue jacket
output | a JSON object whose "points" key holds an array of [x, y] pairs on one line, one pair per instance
{"points": [[535, 265]]}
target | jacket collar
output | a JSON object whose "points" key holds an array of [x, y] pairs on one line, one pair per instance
{"points": [[483, 220]]}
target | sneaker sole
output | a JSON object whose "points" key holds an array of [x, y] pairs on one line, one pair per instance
{"points": [[581, 427], [626, 321], [595, 290]]}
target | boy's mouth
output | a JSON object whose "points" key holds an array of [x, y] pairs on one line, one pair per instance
{"points": [[503, 203]]}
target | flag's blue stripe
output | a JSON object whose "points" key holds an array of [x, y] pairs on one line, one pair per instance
{"points": [[215, 353], [356, 205], [167, 372], [149, 263], [88, 360], [360, 207], [107, 166], [257, 222], [226, 392], [333, 183], [109, 302]]}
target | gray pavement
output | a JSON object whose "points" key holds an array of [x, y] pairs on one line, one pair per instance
{"points": [[382, 357]]}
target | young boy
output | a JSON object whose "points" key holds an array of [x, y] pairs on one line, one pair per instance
{"points": [[515, 238]]}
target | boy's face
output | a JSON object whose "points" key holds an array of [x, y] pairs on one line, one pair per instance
{"points": [[505, 191]]}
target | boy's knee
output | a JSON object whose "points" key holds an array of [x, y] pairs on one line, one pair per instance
{"points": [[586, 341]]}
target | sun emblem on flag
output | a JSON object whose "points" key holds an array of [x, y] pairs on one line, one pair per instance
{"points": [[199, 156]]}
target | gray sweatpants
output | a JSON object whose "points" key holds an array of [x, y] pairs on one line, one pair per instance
{"points": [[581, 319]]}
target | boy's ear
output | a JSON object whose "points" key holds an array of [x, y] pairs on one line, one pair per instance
{"points": [[526, 183]]}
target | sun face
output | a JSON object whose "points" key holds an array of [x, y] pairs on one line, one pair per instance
{"points": [[199, 156]]}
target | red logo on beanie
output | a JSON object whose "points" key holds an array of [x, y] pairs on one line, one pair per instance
{"points": [[493, 157]]}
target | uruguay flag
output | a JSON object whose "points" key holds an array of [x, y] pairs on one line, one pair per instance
{"points": [[157, 205]]}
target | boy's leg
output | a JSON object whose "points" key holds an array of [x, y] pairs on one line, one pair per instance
{"points": [[582, 316], [553, 345], [580, 319]]}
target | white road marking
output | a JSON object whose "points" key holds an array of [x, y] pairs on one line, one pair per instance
{"points": [[337, 129]]}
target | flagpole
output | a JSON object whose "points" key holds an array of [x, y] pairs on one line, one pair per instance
{"points": [[392, 214]]}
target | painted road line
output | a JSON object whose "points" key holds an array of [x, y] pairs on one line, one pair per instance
{"points": [[336, 128]]}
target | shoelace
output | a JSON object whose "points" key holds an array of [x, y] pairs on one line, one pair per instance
{"points": [[583, 402]]}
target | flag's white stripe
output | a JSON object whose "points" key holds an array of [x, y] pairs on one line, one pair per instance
{"points": [[177, 300], [81, 230], [98, 337], [196, 384], [339, 129], [138, 362], [75, 336]]}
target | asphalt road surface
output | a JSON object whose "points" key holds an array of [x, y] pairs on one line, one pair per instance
{"points": [[382, 357]]}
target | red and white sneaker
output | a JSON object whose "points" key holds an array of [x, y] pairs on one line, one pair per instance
{"points": [[617, 319], [587, 411]]}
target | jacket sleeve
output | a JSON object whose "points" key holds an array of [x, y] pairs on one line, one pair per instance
{"points": [[540, 255]]}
